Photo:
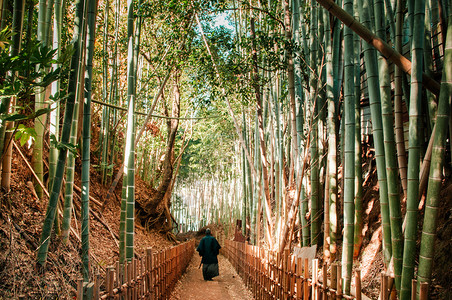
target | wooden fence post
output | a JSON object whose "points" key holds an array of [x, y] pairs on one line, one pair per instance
{"points": [[80, 289], [413, 289], [325, 282], [358, 284], [97, 285], [423, 291], [334, 277], [384, 287], [306, 276], [339, 282], [299, 278], [315, 263], [110, 281]]}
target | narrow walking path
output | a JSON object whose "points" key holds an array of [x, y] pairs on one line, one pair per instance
{"points": [[224, 287]]}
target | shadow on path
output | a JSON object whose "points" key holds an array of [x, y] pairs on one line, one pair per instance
{"points": [[226, 286]]}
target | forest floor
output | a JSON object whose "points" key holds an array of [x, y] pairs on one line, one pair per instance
{"points": [[227, 286]]}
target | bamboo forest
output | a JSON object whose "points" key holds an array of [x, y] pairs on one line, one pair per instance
{"points": [[130, 127]]}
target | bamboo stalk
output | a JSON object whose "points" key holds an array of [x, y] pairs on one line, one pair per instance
{"points": [[387, 51]]}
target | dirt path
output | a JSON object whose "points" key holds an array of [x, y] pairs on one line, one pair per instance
{"points": [[224, 287]]}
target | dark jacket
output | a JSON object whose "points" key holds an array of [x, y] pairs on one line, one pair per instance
{"points": [[209, 248]]}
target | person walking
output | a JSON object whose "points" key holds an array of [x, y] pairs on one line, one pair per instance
{"points": [[208, 249]]}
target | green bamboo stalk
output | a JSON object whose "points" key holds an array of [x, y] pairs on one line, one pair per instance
{"points": [[55, 89], [337, 59], [299, 92], [90, 36], [398, 93], [436, 167], [332, 143], [111, 146], [315, 212], [122, 221], [349, 154], [70, 167], [56, 187], [7, 104], [3, 13], [431, 102], [244, 190], [390, 150], [39, 104], [358, 230], [409, 250], [291, 87], [333, 109], [47, 24], [261, 138], [370, 60], [390, 19], [129, 153], [104, 136]]}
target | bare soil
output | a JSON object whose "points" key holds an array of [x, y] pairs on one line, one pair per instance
{"points": [[227, 286]]}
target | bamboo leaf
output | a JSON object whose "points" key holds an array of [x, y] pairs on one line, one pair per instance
{"points": [[25, 134]]}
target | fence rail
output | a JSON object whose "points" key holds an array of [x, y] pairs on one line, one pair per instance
{"points": [[270, 275], [152, 277]]}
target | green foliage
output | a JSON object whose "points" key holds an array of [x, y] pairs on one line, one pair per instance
{"points": [[25, 134], [16, 117], [59, 145], [5, 37], [210, 153], [32, 67]]}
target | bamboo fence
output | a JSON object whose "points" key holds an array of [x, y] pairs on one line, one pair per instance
{"points": [[153, 277], [271, 275]]}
